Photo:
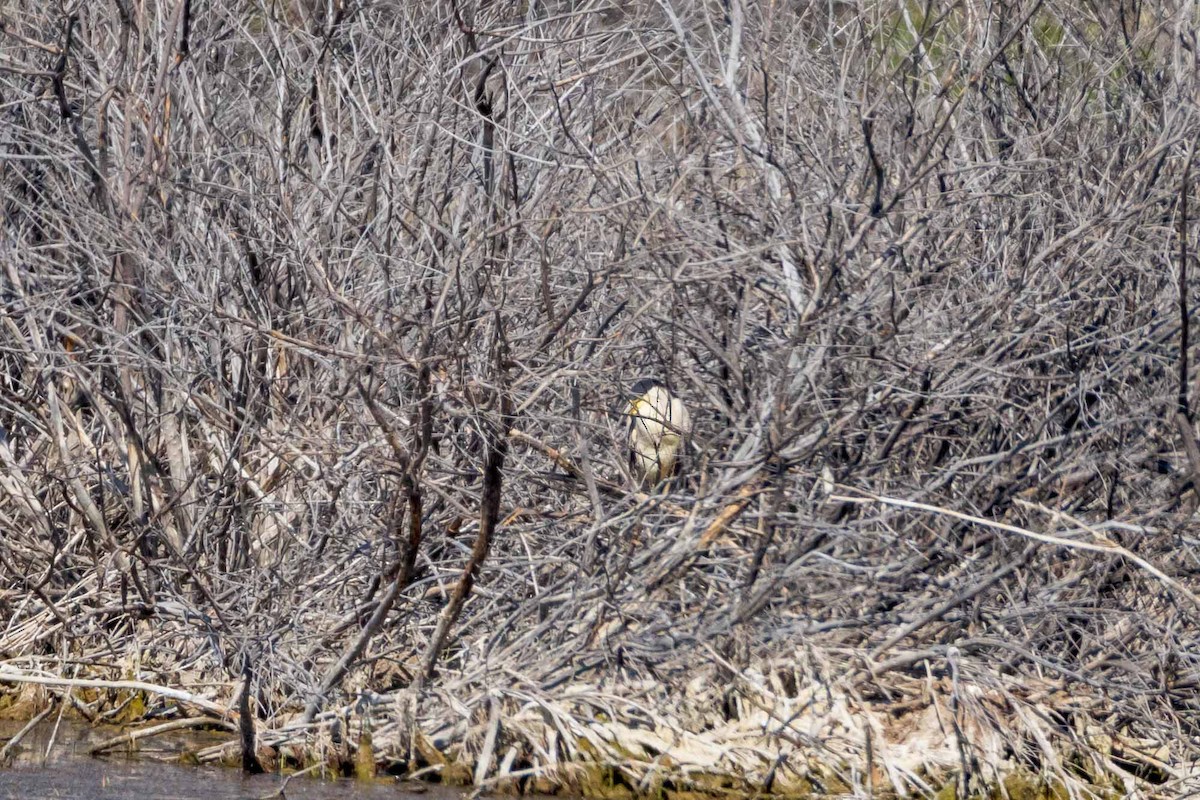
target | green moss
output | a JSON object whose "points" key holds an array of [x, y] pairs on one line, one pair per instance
{"points": [[714, 783], [588, 750], [457, 774], [133, 708], [799, 789], [364, 758], [13, 707], [601, 781], [948, 792], [1019, 785], [426, 751]]}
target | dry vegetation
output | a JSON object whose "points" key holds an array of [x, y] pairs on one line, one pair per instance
{"points": [[315, 314]]}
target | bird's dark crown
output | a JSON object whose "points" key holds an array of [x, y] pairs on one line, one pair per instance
{"points": [[644, 385]]}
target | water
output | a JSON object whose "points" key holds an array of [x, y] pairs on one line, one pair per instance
{"points": [[69, 773]]}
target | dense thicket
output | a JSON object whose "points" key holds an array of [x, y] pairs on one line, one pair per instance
{"points": [[291, 288]]}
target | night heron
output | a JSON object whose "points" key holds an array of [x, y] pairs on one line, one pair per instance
{"points": [[658, 426]]}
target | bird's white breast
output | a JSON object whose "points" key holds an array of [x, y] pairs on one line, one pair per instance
{"points": [[659, 423]]}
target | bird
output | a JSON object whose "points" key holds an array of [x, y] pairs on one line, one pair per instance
{"points": [[658, 425]]}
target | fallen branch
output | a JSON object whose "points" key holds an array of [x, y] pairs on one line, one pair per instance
{"points": [[8, 675], [21, 734], [134, 736]]}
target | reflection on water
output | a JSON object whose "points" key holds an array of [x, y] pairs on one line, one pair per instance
{"points": [[69, 773], [95, 779]]}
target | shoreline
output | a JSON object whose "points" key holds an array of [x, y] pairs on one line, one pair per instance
{"points": [[588, 741]]}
